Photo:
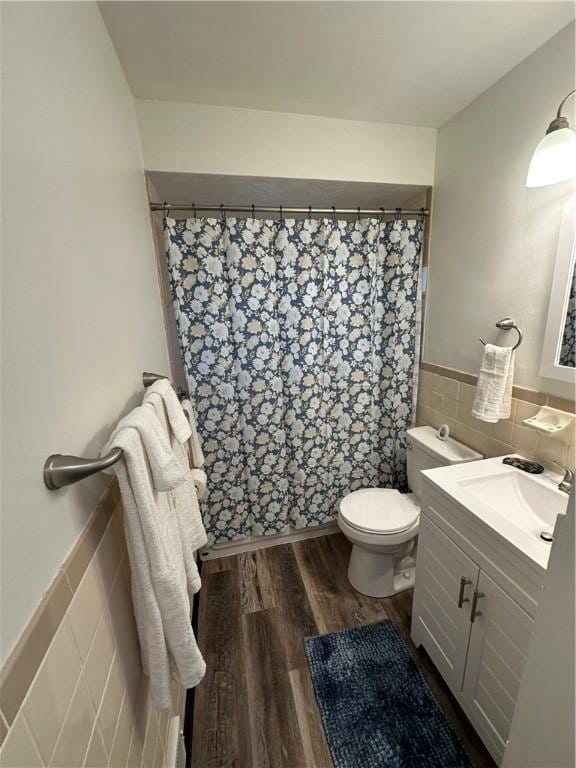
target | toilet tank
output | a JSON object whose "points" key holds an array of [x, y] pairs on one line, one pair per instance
{"points": [[425, 450]]}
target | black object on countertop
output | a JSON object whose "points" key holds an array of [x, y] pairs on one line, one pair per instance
{"points": [[526, 466]]}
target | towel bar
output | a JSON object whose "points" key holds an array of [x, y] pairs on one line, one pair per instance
{"points": [[149, 378], [61, 470], [507, 324]]}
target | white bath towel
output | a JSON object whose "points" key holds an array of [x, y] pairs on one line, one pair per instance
{"points": [[196, 453], [185, 496], [167, 471], [157, 563], [493, 400]]}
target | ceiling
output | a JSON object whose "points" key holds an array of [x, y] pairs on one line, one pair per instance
{"points": [[414, 63]]}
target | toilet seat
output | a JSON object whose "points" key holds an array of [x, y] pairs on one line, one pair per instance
{"points": [[382, 511]]}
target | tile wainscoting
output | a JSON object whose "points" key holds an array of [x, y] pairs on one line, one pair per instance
{"points": [[445, 396], [72, 692]]}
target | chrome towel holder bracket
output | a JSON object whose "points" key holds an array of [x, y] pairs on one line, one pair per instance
{"points": [[508, 324], [61, 469]]}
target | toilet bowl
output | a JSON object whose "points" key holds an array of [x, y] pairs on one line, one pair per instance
{"points": [[382, 523]]}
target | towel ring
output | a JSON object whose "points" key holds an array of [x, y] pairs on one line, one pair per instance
{"points": [[507, 324]]}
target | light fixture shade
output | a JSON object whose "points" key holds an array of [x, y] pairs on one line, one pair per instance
{"points": [[554, 159]]}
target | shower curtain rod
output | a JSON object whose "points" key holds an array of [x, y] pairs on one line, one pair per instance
{"points": [[280, 209]]}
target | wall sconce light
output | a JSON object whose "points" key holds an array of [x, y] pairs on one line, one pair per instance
{"points": [[554, 158]]}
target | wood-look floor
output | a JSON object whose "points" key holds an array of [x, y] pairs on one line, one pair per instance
{"points": [[256, 706]]}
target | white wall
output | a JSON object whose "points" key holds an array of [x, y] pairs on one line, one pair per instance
{"points": [[493, 241], [81, 309], [196, 138]]}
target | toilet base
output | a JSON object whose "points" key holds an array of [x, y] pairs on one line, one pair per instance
{"points": [[376, 574]]}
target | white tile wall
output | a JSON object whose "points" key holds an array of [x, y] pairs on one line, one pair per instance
{"points": [[88, 705], [445, 400]]}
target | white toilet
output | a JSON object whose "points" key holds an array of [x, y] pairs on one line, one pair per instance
{"points": [[382, 524]]}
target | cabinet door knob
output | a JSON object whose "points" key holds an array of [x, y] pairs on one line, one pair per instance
{"points": [[474, 612], [463, 584]]}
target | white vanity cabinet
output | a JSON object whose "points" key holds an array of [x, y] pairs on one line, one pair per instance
{"points": [[499, 642], [445, 579], [473, 612]]}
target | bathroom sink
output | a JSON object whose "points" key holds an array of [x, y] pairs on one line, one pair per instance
{"points": [[527, 503], [516, 506]]}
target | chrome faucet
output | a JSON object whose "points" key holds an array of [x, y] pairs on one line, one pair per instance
{"points": [[567, 481]]}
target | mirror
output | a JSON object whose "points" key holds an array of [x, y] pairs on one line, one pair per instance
{"points": [[567, 356], [559, 351]]}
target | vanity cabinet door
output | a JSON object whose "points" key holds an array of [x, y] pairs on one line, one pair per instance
{"points": [[444, 584], [499, 644]]}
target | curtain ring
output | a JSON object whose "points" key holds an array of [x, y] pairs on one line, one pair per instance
{"points": [[253, 212], [358, 212], [281, 215], [334, 213], [310, 212], [194, 210], [422, 216], [397, 214], [380, 215], [164, 209], [223, 213]]}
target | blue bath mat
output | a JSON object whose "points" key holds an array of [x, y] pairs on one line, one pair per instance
{"points": [[377, 709]]}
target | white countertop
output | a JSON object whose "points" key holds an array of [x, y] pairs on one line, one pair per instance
{"points": [[503, 504]]}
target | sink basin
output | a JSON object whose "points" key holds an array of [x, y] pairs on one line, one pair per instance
{"points": [[516, 506], [527, 503]]}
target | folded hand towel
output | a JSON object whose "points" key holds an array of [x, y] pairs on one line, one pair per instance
{"points": [[159, 577], [178, 419], [196, 454], [493, 399]]}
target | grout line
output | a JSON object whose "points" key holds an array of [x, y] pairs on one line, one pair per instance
{"points": [[65, 572], [34, 679], [85, 662], [157, 726], [32, 738], [99, 708], [94, 726], [106, 603], [150, 707], [142, 689], [131, 740], [65, 717], [118, 720]]}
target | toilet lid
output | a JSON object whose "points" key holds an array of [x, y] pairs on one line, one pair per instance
{"points": [[379, 510]]}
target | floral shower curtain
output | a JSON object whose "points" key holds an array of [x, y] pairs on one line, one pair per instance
{"points": [[300, 343]]}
